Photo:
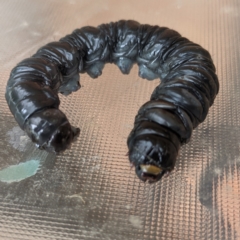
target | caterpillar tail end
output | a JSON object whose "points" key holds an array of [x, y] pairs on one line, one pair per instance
{"points": [[50, 130], [61, 140]]}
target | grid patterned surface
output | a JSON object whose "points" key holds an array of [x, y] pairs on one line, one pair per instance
{"points": [[89, 191]]}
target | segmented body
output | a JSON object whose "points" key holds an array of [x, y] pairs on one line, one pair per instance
{"points": [[179, 104]]}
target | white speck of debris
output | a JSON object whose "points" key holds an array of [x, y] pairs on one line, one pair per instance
{"points": [[24, 24], [217, 171], [227, 9], [135, 221], [230, 10], [37, 34], [96, 167], [179, 4], [76, 196], [128, 126], [128, 207], [57, 34], [97, 158]]}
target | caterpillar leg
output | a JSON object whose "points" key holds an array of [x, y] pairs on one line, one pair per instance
{"points": [[70, 84], [147, 73], [95, 70]]}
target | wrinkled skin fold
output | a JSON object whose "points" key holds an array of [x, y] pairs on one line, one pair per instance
{"points": [[179, 104]]}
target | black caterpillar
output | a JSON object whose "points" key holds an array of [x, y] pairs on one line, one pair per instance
{"points": [[188, 88]]}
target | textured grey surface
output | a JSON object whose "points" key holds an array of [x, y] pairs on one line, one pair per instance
{"points": [[89, 192]]}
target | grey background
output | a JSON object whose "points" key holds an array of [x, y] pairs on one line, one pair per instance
{"points": [[89, 192]]}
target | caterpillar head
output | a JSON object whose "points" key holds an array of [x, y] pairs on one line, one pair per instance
{"points": [[152, 156]]}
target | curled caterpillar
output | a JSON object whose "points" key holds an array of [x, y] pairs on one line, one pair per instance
{"points": [[179, 104]]}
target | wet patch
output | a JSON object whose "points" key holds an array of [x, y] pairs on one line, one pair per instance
{"points": [[19, 172]]}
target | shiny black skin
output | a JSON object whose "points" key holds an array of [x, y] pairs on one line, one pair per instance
{"points": [[179, 104]]}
